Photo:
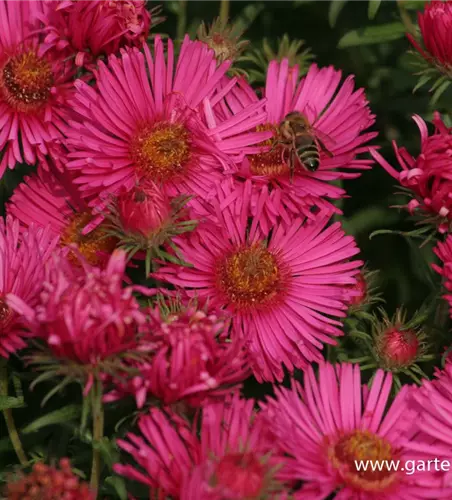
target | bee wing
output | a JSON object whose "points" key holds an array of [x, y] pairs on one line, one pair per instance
{"points": [[323, 138], [319, 135]]}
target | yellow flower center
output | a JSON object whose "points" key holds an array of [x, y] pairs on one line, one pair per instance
{"points": [[27, 80], [269, 162], [356, 446], [249, 277], [161, 152], [89, 245]]}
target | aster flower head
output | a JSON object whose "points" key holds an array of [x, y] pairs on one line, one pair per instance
{"points": [[49, 482], [84, 315], [35, 87], [435, 23], [96, 28], [335, 114], [52, 200], [427, 176], [232, 458], [330, 422], [152, 127], [192, 358], [286, 286], [23, 258], [435, 401]]}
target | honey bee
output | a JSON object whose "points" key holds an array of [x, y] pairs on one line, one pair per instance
{"points": [[300, 142]]}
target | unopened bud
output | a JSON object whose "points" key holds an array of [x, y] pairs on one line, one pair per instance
{"points": [[144, 209]]}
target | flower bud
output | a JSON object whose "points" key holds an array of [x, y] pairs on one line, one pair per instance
{"points": [[435, 24], [144, 209], [360, 289], [222, 40], [399, 347]]}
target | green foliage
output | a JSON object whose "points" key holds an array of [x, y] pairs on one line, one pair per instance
{"points": [[294, 50], [372, 10], [373, 35]]}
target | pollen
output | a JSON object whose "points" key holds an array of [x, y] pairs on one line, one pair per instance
{"points": [[26, 81], [364, 446], [249, 277], [161, 152], [91, 245], [268, 162]]}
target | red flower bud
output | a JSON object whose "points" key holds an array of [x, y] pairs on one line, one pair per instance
{"points": [[144, 209], [399, 347]]}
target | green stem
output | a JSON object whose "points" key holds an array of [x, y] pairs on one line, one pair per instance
{"points": [[9, 419], [98, 432], [181, 20], [441, 314], [406, 19], [224, 12]]}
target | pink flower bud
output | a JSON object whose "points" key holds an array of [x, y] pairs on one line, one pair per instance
{"points": [[144, 209], [399, 347], [360, 290]]}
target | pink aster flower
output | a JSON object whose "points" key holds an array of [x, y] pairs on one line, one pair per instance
{"points": [[22, 259], [94, 28], [193, 360], [435, 24], [141, 123], [339, 115], [435, 406], [52, 200], [444, 252], [331, 422], [285, 285], [84, 315], [34, 89], [231, 459], [428, 177]]}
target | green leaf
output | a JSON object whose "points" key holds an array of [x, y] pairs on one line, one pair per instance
{"points": [[62, 415], [373, 7], [336, 7], [7, 402], [421, 82], [373, 34], [413, 4], [439, 92], [119, 485], [246, 18]]}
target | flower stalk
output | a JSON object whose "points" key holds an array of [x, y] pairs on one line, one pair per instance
{"points": [[9, 419], [98, 432], [181, 19], [224, 11]]}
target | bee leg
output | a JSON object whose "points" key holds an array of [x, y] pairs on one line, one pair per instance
{"points": [[292, 164]]}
